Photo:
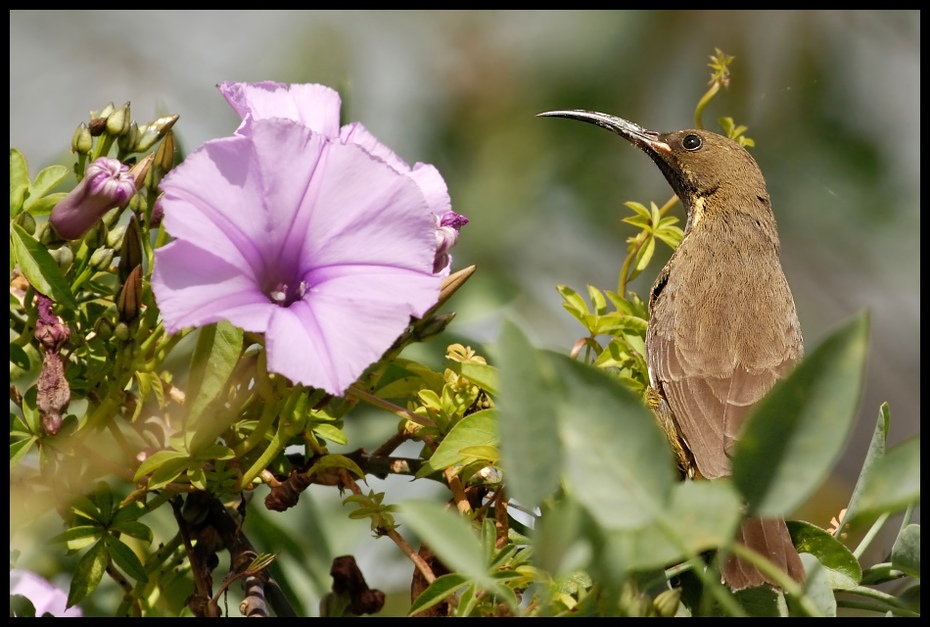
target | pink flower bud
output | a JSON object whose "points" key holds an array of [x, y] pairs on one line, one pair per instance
{"points": [[107, 183]]}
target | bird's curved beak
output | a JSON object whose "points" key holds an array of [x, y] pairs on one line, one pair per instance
{"points": [[638, 136]]}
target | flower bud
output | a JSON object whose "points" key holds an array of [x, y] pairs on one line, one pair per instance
{"points": [[121, 331], [98, 120], [158, 213], [118, 122], [130, 256], [106, 184], [163, 162], [104, 329], [96, 236], [154, 131], [447, 234], [666, 604], [141, 169], [63, 256], [81, 141], [101, 258], [130, 298], [26, 221], [128, 141], [115, 237]]}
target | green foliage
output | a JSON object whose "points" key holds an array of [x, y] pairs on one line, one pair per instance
{"points": [[563, 494]]}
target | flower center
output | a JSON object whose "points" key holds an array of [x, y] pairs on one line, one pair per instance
{"points": [[285, 295]]}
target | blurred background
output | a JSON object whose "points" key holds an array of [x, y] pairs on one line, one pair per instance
{"points": [[832, 100]]}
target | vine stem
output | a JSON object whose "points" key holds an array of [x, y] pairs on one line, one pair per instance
{"points": [[398, 539]]}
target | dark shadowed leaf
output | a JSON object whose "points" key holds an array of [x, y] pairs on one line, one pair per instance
{"points": [[797, 431], [531, 455], [618, 462]]}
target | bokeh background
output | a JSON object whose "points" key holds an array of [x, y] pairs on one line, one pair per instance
{"points": [[832, 100]]}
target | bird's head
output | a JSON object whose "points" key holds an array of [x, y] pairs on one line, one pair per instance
{"points": [[697, 163]]}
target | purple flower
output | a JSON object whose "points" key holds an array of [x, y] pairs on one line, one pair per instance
{"points": [[319, 237], [45, 597], [107, 183], [317, 107]]}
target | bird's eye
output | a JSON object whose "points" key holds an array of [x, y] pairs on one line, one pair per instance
{"points": [[692, 142]]}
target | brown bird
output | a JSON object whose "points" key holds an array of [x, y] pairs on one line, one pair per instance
{"points": [[722, 325]]}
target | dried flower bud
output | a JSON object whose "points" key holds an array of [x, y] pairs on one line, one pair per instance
{"points": [[140, 170], [130, 255], [53, 391], [130, 298], [51, 332], [106, 184]]}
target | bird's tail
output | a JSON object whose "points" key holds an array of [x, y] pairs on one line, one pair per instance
{"points": [[769, 537]]}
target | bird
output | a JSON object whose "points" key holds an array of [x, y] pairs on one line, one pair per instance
{"points": [[723, 327]]}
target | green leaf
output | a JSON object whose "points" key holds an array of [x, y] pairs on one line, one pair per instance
{"points": [[88, 573], [450, 537], [336, 461], [817, 586], [39, 268], [477, 429], [482, 375], [905, 555], [791, 440], [574, 303], [215, 357], [171, 470], [843, 569], [894, 482], [875, 453], [76, 538], [19, 182], [531, 454], [45, 181], [330, 432], [617, 460], [126, 559], [155, 461], [43, 206], [762, 602], [19, 448], [438, 591], [133, 529], [700, 516]]}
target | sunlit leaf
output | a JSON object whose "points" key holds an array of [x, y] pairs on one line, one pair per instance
{"points": [[843, 569], [88, 573], [40, 268]]}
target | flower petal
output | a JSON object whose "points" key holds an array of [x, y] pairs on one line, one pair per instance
{"points": [[314, 106], [426, 176], [345, 323], [195, 287], [367, 213], [240, 197]]}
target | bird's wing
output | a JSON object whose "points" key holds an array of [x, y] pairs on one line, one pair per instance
{"points": [[709, 410]]}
